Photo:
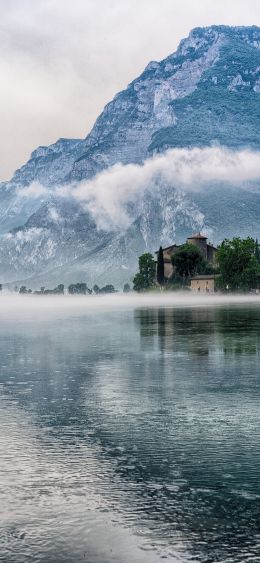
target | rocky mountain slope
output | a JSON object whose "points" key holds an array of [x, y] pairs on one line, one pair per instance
{"points": [[208, 92]]}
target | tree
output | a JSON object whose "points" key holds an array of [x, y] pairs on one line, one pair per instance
{"points": [[160, 267], [238, 264], [189, 261], [127, 288], [1, 286], [23, 289], [257, 251], [96, 289], [107, 289], [59, 290], [145, 278], [78, 288]]}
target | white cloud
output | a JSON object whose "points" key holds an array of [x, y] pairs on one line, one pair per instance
{"points": [[54, 215], [109, 194], [34, 190], [24, 236]]}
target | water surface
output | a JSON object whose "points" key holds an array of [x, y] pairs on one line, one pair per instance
{"points": [[129, 433]]}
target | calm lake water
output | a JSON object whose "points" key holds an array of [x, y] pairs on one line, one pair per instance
{"points": [[129, 434]]}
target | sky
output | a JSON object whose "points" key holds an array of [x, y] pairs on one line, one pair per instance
{"points": [[62, 61]]}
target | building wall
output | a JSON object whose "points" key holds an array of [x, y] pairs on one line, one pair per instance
{"points": [[168, 269], [201, 245], [211, 254], [169, 252], [167, 256], [203, 285]]}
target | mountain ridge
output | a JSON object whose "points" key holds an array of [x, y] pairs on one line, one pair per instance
{"points": [[194, 97]]}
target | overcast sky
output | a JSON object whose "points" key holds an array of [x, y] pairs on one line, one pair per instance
{"points": [[62, 60]]}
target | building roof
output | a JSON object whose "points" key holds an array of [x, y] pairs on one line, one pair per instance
{"points": [[198, 236], [204, 277], [167, 247], [209, 245]]}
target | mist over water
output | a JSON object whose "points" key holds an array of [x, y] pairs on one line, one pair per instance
{"points": [[129, 428], [15, 304]]}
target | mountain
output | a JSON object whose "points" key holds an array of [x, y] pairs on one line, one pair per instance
{"points": [[207, 93]]}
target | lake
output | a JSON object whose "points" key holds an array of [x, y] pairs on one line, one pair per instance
{"points": [[129, 429]]}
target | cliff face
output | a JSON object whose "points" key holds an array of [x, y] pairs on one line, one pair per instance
{"points": [[206, 93]]}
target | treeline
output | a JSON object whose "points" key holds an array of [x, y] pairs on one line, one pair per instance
{"points": [[79, 288], [237, 267]]}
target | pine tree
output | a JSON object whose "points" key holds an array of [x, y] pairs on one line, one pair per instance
{"points": [[160, 267], [257, 251]]}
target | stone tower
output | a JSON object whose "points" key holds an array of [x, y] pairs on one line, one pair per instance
{"points": [[201, 242]]}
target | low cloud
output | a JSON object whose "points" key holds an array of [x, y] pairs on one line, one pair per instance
{"points": [[111, 193], [34, 190]]}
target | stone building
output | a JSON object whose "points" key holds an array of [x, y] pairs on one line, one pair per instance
{"points": [[203, 284], [207, 250]]}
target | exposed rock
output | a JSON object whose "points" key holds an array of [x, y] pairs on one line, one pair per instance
{"points": [[207, 92]]}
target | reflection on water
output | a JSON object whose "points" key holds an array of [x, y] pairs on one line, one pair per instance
{"points": [[131, 436]]}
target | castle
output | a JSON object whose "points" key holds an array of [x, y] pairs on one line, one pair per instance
{"points": [[207, 250]]}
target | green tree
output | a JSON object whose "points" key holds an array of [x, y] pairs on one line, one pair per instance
{"points": [[145, 278], [189, 261], [257, 251], [238, 265], [160, 267]]}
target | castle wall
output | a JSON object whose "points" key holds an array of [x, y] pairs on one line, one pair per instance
{"points": [[211, 254], [168, 270], [167, 256], [201, 244]]}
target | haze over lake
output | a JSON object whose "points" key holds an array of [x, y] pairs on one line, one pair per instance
{"points": [[129, 429]]}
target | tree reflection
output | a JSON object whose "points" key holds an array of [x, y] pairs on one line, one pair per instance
{"points": [[201, 331]]}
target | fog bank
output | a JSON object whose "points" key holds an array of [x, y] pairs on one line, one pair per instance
{"points": [[43, 307]]}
